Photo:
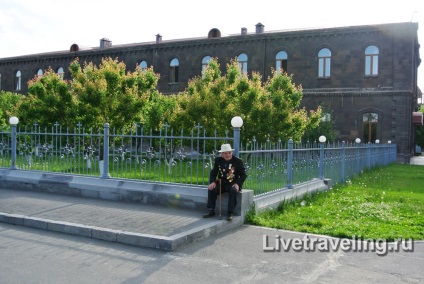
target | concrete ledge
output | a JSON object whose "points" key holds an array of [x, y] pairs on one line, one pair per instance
{"points": [[105, 235], [273, 199], [69, 228], [206, 231], [145, 240], [35, 223], [13, 219]]}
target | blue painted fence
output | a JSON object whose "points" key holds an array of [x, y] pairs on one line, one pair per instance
{"points": [[183, 158]]}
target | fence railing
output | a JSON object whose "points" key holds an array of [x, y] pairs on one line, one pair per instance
{"points": [[182, 158], [279, 166]]}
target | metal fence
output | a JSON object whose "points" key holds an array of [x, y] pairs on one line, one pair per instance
{"points": [[182, 158], [278, 166]]}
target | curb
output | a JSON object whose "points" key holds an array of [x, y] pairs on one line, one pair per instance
{"points": [[125, 237]]}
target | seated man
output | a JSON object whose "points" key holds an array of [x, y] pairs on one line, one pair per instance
{"points": [[227, 175]]}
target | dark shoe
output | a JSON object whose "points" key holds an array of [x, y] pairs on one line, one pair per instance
{"points": [[229, 217], [211, 213]]}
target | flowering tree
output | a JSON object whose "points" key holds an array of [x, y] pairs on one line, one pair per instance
{"points": [[109, 93]]}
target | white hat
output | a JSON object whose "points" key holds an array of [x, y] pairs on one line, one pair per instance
{"points": [[225, 148]]}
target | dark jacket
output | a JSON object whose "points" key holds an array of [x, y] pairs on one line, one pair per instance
{"points": [[230, 172]]}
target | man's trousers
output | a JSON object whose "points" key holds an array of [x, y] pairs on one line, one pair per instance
{"points": [[232, 196]]}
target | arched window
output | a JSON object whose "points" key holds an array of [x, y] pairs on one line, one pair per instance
{"points": [[39, 73], [242, 63], [371, 61], [173, 70], [0, 81], [326, 117], [60, 72], [369, 127], [205, 62], [18, 81], [143, 65], [324, 63], [281, 62]]}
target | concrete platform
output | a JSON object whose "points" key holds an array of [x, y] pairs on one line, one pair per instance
{"points": [[161, 216], [145, 225]]}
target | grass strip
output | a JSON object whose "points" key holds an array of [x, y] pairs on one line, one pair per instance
{"points": [[383, 203]]}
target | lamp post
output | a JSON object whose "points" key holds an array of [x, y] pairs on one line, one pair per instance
{"points": [[357, 141], [13, 121], [322, 140], [377, 159], [237, 123]]}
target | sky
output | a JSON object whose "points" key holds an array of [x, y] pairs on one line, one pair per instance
{"points": [[30, 27]]}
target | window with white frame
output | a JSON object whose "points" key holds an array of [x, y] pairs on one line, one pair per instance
{"points": [[242, 63], [324, 63], [39, 73], [205, 62], [371, 60], [18, 80], [173, 70]]}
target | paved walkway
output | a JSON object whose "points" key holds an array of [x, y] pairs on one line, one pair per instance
{"points": [[137, 224]]}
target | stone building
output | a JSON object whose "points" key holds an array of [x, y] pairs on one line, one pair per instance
{"points": [[364, 76]]}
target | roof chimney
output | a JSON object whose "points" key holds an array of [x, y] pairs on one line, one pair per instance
{"points": [[105, 43], [158, 38], [243, 31], [259, 28], [214, 33]]}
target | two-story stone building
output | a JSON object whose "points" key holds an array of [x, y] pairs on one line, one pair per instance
{"points": [[365, 76]]}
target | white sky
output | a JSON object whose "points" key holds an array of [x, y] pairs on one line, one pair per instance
{"points": [[29, 26]]}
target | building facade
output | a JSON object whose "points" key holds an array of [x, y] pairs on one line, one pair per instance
{"points": [[365, 77]]}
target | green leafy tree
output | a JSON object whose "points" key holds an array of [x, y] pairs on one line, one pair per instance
{"points": [[49, 100], [205, 102], [9, 103], [325, 127], [269, 111]]}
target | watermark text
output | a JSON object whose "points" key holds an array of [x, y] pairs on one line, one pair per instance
{"points": [[356, 244]]}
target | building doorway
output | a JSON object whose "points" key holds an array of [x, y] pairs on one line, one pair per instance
{"points": [[369, 127]]}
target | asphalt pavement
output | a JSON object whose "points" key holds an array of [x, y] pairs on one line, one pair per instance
{"points": [[198, 250], [29, 256]]}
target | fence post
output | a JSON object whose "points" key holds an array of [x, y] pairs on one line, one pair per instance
{"points": [[13, 121], [369, 155], [289, 165], [105, 173]]}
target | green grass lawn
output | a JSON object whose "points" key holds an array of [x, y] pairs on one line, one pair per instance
{"points": [[384, 203]]}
